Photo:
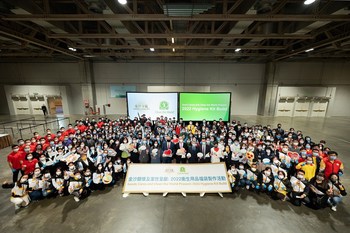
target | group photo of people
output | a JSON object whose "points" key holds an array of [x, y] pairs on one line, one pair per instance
{"points": [[93, 154]]}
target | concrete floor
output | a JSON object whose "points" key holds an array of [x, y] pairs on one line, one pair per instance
{"points": [[245, 211]]}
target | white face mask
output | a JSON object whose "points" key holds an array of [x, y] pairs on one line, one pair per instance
{"points": [[300, 176], [267, 173], [253, 169], [30, 157], [37, 173], [110, 165], [280, 177], [241, 167], [58, 173]]}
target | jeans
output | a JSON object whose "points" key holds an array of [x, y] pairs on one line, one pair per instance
{"points": [[335, 200], [15, 173]]}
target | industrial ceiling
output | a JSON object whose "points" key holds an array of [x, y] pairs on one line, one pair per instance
{"points": [[171, 30]]}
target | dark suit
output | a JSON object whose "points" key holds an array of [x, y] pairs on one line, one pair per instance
{"points": [[167, 146], [205, 149], [193, 151], [178, 157]]}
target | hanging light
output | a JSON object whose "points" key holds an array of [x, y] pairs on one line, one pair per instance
{"points": [[308, 2], [151, 49], [123, 2]]}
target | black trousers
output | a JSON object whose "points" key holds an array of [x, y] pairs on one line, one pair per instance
{"points": [[15, 175]]}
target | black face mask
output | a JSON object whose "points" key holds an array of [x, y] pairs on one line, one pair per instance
{"points": [[168, 140]]}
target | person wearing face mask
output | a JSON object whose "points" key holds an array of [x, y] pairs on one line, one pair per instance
{"points": [[19, 193], [233, 177], [168, 145], [97, 178], [336, 191], [281, 186], [35, 185], [331, 164], [303, 155], [109, 176], [14, 160], [193, 150], [29, 164], [84, 162], [181, 148], [76, 186], [308, 167], [295, 146], [156, 153], [48, 188], [242, 172], [318, 191], [300, 189], [252, 177], [88, 180], [265, 180], [216, 153], [58, 182], [144, 151]]}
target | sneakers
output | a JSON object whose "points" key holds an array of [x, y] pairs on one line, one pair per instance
{"points": [[165, 194], [145, 194], [183, 194], [220, 194], [76, 199], [201, 194], [334, 208], [125, 195], [247, 187]]}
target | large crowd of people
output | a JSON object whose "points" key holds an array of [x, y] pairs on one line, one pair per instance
{"points": [[92, 154]]}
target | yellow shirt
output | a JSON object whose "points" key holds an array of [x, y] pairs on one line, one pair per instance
{"points": [[309, 169]]}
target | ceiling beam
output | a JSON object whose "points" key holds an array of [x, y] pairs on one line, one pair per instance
{"points": [[316, 45], [181, 36], [19, 36], [177, 54], [142, 47], [162, 17]]}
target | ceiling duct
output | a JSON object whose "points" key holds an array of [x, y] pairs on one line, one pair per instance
{"points": [[96, 6], [187, 9]]}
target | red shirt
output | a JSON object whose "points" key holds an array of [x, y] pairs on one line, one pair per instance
{"points": [[82, 128], [69, 131], [29, 166], [331, 166], [15, 159], [33, 146], [100, 124]]}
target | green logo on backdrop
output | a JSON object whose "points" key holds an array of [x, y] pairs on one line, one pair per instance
{"points": [[163, 105], [182, 169]]}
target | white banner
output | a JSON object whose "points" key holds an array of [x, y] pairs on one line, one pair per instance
{"points": [[152, 104], [176, 178]]}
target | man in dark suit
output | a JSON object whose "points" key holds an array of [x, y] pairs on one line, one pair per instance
{"points": [[193, 149], [204, 148], [178, 146], [168, 145]]}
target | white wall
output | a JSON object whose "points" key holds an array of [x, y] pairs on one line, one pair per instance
{"points": [[44, 90], [245, 81]]}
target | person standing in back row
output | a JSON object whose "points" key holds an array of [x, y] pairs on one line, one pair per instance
{"points": [[44, 109]]}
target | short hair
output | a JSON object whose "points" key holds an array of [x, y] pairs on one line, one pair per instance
{"points": [[332, 152]]}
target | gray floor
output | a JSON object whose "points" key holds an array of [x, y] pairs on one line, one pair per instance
{"points": [[107, 211]]}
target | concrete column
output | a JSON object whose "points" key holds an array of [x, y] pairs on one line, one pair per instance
{"points": [[268, 91]]}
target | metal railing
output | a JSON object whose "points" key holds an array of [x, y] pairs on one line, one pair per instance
{"points": [[5, 127], [44, 124]]}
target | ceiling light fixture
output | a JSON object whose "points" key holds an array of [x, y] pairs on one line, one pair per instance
{"points": [[173, 49], [237, 49], [123, 2], [309, 50], [172, 40], [308, 2], [72, 49], [152, 49]]}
